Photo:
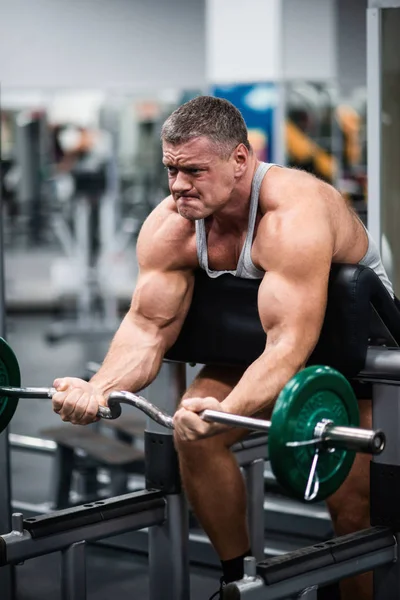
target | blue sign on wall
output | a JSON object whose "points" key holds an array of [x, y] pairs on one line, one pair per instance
{"points": [[257, 103]]}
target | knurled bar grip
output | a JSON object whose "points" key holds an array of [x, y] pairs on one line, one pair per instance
{"points": [[351, 438]]}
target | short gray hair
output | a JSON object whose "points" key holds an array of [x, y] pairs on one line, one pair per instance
{"points": [[207, 116]]}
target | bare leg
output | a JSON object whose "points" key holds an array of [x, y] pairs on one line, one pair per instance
{"points": [[210, 474], [349, 508]]}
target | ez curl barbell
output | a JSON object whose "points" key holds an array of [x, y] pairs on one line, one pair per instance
{"points": [[313, 434]]}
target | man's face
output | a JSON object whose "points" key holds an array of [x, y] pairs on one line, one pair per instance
{"points": [[200, 180]]}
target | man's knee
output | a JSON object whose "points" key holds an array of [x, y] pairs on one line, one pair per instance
{"points": [[200, 448], [194, 448], [194, 453]]}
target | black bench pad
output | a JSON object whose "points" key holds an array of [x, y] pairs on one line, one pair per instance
{"points": [[223, 326]]}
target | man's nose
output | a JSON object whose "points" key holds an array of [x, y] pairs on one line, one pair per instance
{"points": [[181, 183]]}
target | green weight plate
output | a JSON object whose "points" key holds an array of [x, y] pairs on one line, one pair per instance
{"points": [[314, 394], [9, 376]]}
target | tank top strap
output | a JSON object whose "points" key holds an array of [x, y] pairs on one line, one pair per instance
{"points": [[245, 263], [201, 244]]}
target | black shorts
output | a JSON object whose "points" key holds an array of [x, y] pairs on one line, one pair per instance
{"points": [[362, 390]]}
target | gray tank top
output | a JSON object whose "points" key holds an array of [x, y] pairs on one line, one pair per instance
{"points": [[245, 267], [372, 259]]}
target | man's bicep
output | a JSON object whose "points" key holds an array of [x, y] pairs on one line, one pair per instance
{"points": [[293, 294], [292, 312], [296, 257], [161, 301], [164, 288]]}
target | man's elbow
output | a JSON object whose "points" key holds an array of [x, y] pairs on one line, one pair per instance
{"points": [[293, 349]]}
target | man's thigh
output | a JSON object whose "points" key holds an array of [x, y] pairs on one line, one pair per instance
{"points": [[213, 381], [218, 382]]}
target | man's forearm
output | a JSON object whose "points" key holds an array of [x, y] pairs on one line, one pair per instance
{"points": [[262, 382], [133, 360]]}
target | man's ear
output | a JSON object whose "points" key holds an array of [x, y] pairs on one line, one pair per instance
{"points": [[241, 158]]}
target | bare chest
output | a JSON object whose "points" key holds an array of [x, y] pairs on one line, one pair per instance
{"points": [[224, 249], [223, 255]]}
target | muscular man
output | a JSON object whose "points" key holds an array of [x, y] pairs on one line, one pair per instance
{"points": [[229, 212]]}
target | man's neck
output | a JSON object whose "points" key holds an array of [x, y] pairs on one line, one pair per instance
{"points": [[234, 216]]}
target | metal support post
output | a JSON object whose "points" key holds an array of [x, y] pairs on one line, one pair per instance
{"points": [[64, 461], [168, 543], [168, 553], [73, 572], [254, 477], [82, 230], [386, 416]]}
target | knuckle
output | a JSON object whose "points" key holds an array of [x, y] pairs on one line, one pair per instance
{"points": [[69, 405], [91, 414], [81, 403], [93, 406], [58, 398]]}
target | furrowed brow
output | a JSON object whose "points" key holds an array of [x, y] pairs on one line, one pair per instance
{"points": [[186, 166]]}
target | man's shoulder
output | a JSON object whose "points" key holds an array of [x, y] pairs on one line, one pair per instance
{"points": [[284, 184], [166, 221], [166, 236], [281, 177]]}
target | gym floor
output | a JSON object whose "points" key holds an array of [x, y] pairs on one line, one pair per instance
{"points": [[110, 572]]}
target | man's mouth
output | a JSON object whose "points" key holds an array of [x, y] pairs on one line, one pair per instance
{"points": [[185, 199]]}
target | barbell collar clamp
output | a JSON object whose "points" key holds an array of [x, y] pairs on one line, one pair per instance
{"points": [[329, 436], [369, 441], [313, 479]]}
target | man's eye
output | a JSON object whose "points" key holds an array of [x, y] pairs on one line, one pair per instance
{"points": [[171, 170]]}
